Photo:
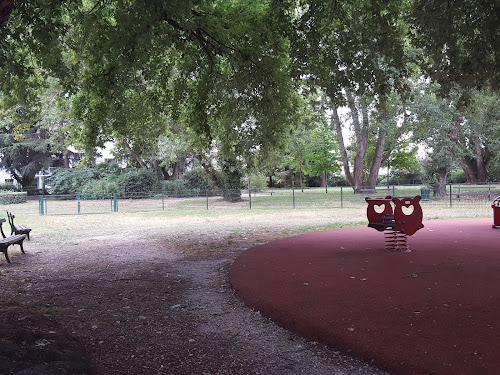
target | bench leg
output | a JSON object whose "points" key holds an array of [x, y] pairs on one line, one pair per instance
{"points": [[22, 249], [4, 250]]}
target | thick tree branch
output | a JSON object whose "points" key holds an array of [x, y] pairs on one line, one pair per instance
{"points": [[342, 148]]}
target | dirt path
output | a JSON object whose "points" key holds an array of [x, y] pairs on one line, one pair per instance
{"points": [[138, 305]]}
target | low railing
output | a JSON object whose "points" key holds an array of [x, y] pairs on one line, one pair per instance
{"points": [[262, 198]]}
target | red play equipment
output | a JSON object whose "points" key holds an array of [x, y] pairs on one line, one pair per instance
{"points": [[496, 212], [397, 224]]}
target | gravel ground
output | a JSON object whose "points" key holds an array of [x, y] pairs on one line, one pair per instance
{"points": [[143, 304]]}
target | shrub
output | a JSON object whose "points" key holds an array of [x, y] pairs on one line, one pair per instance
{"points": [[180, 188], [174, 185], [137, 180], [69, 181], [107, 170], [100, 186], [13, 198], [7, 187], [103, 178], [257, 181], [199, 179], [457, 176], [494, 170]]}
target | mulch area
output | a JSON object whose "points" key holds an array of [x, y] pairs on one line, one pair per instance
{"points": [[434, 310]]}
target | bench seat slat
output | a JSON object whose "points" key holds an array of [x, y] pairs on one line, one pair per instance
{"points": [[11, 240], [22, 227]]}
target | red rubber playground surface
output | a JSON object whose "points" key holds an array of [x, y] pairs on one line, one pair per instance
{"points": [[434, 310]]}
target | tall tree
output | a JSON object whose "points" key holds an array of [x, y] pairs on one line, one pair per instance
{"points": [[174, 151], [322, 155], [218, 67], [403, 160], [479, 135], [312, 148], [23, 155], [434, 125], [355, 51]]}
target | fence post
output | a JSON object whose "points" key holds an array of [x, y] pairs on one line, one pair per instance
{"points": [[40, 204], [293, 196], [115, 202], [393, 190], [489, 190], [341, 197], [78, 200], [206, 195], [451, 196], [250, 198]]}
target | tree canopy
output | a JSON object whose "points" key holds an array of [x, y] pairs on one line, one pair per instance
{"points": [[460, 41], [218, 67], [228, 74]]}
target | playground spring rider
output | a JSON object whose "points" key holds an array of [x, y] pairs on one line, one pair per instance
{"points": [[496, 212], [396, 223]]}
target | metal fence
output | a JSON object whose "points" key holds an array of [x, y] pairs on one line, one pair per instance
{"points": [[458, 196]]}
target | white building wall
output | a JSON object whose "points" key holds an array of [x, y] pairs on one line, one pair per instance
{"points": [[4, 176]]}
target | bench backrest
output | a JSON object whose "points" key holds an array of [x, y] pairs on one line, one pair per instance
{"points": [[10, 216], [1, 229]]}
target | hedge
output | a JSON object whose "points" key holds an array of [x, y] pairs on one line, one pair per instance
{"points": [[13, 198]]}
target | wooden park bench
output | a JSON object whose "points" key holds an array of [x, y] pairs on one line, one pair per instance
{"points": [[17, 228], [377, 190], [5, 242], [476, 192], [262, 192]]}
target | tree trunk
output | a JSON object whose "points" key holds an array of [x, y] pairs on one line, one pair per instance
{"points": [[164, 172], [379, 148], [439, 187], [66, 159], [324, 180], [361, 133], [140, 162], [175, 167], [482, 174], [301, 177], [232, 180], [377, 162], [470, 176], [475, 167], [342, 148], [211, 173]]}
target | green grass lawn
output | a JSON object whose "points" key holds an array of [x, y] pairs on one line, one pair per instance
{"points": [[189, 216]]}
